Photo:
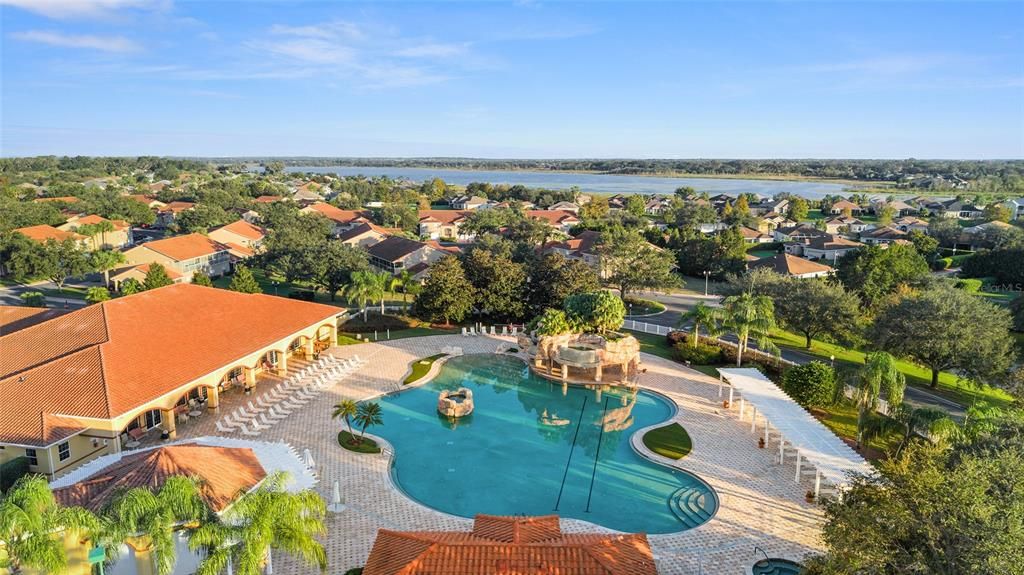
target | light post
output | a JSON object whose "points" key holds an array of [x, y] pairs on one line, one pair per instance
{"points": [[832, 358], [707, 275], [275, 287]]}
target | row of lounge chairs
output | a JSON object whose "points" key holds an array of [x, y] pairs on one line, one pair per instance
{"points": [[505, 330], [277, 404]]}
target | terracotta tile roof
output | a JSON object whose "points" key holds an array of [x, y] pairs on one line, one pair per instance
{"points": [[176, 207], [831, 243], [144, 198], [363, 228], [65, 199], [443, 216], [337, 214], [186, 247], [751, 234], [42, 233], [110, 358], [244, 229], [224, 473], [267, 199], [15, 317], [553, 217], [509, 546], [438, 246], [238, 250], [94, 219], [143, 269], [790, 265], [845, 204]]}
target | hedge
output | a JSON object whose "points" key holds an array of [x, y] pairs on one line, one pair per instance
{"points": [[11, 471]]}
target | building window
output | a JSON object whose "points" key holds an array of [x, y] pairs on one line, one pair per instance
{"points": [[153, 418], [33, 459], [64, 451]]}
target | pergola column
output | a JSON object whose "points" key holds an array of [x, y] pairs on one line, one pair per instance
{"points": [[797, 478], [731, 390], [753, 418], [250, 377], [308, 349], [565, 371], [167, 422], [282, 363], [817, 483], [782, 451], [767, 434], [597, 373], [743, 406]]}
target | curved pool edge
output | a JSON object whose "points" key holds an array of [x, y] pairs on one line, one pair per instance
{"points": [[636, 437]]}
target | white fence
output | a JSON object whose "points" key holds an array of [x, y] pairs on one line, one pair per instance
{"points": [[757, 354], [645, 327]]}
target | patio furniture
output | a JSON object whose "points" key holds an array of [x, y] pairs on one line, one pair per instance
{"points": [[223, 428]]}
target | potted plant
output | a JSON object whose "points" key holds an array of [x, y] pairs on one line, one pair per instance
{"points": [[725, 403], [760, 442], [809, 496]]}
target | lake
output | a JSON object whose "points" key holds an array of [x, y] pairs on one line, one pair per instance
{"points": [[604, 183]]}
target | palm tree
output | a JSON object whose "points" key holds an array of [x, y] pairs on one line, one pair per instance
{"points": [[748, 315], [269, 517], [31, 518], [361, 290], [102, 227], [702, 316], [151, 518], [931, 422], [878, 374], [403, 281], [381, 282], [106, 260], [366, 415], [346, 409]]}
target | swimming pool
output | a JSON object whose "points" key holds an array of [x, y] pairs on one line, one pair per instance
{"points": [[532, 448]]}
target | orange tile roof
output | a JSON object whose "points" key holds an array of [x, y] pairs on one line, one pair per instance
{"points": [[176, 207], [509, 546], [186, 247], [553, 217], [244, 229], [443, 216], [111, 358], [15, 317], [66, 199], [144, 269], [267, 199], [42, 233], [94, 219], [337, 214], [224, 472]]}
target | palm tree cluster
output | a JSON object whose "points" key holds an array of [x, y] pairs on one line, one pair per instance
{"points": [[364, 415], [240, 540], [369, 287], [746, 316]]}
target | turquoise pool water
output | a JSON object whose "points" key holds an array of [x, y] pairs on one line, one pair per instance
{"points": [[776, 567], [531, 448]]}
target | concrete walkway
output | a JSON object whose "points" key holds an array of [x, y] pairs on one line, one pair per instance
{"points": [[760, 504]]}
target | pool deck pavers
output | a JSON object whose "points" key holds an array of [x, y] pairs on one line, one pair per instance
{"points": [[760, 503]]}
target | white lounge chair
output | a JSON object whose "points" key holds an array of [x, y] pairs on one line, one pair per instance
{"points": [[246, 431], [223, 428]]}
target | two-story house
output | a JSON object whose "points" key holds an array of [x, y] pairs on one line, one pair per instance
{"points": [[185, 254]]}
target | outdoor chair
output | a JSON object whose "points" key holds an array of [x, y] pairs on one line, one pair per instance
{"points": [[246, 431]]}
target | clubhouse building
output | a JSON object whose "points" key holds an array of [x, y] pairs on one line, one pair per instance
{"points": [[120, 373]]}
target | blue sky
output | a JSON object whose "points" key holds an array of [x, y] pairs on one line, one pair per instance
{"points": [[524, 79]]}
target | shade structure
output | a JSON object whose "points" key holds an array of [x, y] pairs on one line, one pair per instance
{"points": [[832, 457]]}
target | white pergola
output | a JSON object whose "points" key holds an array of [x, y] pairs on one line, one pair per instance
{"points": [[831, 458]]}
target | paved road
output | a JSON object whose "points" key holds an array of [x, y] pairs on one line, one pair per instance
{"points": [[677, 304], [11, 295]]}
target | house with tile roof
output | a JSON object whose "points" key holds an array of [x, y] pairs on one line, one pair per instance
{"points": [[959, 209], [790, 265], [559, 219], [14, 318], [396, 253], [583, 247], [828, 248], [444, 225], [752, 236], [138, 273], [364, 235], [43, 233], [118, 238], [343, 220], [82, 385], [910, 223], [62, 199], [467, 202], [565, 206], [842, 206], [242, 238], [883, 235], [184, 254], [166, 214], [843, 224], [509, 545]]}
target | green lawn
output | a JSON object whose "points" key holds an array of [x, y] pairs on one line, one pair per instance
{"points": [[763, 253], [349, 339], [421, 367], [354, 443], [283, 288], [670, 441], [640, 306], [656, 345], [949, 386], [842, 420]]}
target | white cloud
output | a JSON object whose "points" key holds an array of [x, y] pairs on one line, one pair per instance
{"points": [[311, 50], [892, 64], [70, 9], [118, 44], [333, 29]]}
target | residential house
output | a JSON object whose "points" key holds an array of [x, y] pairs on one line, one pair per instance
{"points": [[845, 225], [719, 201], [467, 202], [899, 207], [910, 223], [242, 238], [565, 206], [1016, 208], [769, 206], [883, 235], [980, 236], [444, 225], [118, 238], [959, 209], [617, 202], [364, 235], [343, 220], [842, 206], [308, 192], [44, 233], [509, 545], [797, 233], [654, 206], [107, 376], [166, 214], [829, 248], [185, 254], [790, 265], [62, 199], [582, 247], [268, 199], [138, 273], [773, 221], [395, 253], [148, 200], [560, 220], [752, 236]]}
